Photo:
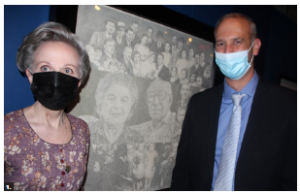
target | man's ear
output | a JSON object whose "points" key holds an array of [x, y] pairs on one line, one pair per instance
{"points": [[29, 75], [256, 46]]}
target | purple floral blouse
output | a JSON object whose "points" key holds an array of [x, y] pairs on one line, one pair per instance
{"points": [[33, 164]]}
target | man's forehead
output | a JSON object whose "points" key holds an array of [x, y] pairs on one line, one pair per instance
{"points": [[233, 27]]}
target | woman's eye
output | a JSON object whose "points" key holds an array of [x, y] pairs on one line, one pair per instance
{"points": [[68, 71], [45, 69]]}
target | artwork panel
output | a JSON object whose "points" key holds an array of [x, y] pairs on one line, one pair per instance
{"points": [[134, 102]]}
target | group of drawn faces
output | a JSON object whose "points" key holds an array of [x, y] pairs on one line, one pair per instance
{"points": [[117, 94]]}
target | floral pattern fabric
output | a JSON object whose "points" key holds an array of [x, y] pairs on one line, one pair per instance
{"points": [[33, 164]]}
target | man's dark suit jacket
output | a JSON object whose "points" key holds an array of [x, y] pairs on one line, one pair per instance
{"points": [[268, 156], [164, 73]]}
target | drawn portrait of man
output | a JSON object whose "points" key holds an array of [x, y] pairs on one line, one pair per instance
{"points": [[159, 100], [98, 38]]}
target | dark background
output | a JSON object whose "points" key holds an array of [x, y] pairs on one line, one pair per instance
{"points": [[276, 27]]}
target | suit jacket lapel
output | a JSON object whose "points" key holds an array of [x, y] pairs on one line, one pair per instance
{"points": [[214, 112]]}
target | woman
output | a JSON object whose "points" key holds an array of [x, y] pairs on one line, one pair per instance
{"points": [[199, 83], [191, 57], [192, 81], [149, 66], [142, 48], [174, 78], [136, 67], [167, 55], [45, 148], [184, 79], [182, 62], [116, 96]]}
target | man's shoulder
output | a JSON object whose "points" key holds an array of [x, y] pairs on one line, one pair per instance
{"points": [[279, 93], [208, 93]]}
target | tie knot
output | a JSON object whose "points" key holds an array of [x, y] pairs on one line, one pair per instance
{"points": [[236, 98]]}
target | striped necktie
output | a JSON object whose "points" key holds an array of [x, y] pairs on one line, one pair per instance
{"points": [[224, 179]]}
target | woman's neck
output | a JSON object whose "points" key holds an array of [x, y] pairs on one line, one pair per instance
{"points": [[52, 118]]}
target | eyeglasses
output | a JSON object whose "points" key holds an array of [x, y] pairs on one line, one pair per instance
{"points": [[161, 95]]}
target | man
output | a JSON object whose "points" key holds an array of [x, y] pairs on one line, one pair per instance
{"points": [[126, 60], [259, 151], [160, 128], [135, 38], [197, 68], [109, 50], [151, 42], [98, 38], [162, 72], [174, 44], [128, 38], [120, 40], [159, 46], [185, 93]]}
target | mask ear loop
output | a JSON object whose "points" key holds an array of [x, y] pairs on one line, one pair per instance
{"points": [[252, 54], [30, 71]]}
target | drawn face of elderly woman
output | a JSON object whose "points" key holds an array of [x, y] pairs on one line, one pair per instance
{"points": [[116, 95], [55, 63]]}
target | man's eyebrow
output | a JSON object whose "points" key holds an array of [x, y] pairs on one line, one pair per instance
{"points": [[238, 38], [220, 40]]}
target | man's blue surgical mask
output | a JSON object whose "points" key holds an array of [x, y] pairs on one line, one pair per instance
{"points": [[234, 65]]}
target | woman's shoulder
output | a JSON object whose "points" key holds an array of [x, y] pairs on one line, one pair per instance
{"points": [[76, 121], [16, 128], [14, 119]]}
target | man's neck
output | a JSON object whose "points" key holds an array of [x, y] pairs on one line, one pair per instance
{"points": [[238, 85]]}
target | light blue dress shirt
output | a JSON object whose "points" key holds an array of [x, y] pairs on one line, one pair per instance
{"points": [[224, 119]]}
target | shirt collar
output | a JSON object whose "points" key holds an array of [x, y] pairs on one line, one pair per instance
{"points": [[249, 89]]}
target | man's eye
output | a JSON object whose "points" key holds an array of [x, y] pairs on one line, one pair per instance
{"points": [[220, 44], [238, 42]]}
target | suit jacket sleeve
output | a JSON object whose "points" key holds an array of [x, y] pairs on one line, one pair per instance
{"points": [[181, 172], [289, 175]]}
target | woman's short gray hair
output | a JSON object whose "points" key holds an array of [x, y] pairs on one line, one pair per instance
{"points": [[51, 31], [111, 79]]}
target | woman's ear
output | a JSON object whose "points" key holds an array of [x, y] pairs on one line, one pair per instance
{"points": [[29, 75], [79, 83]]}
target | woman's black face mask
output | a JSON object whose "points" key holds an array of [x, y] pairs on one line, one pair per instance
{"points": [[54, 90]]}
